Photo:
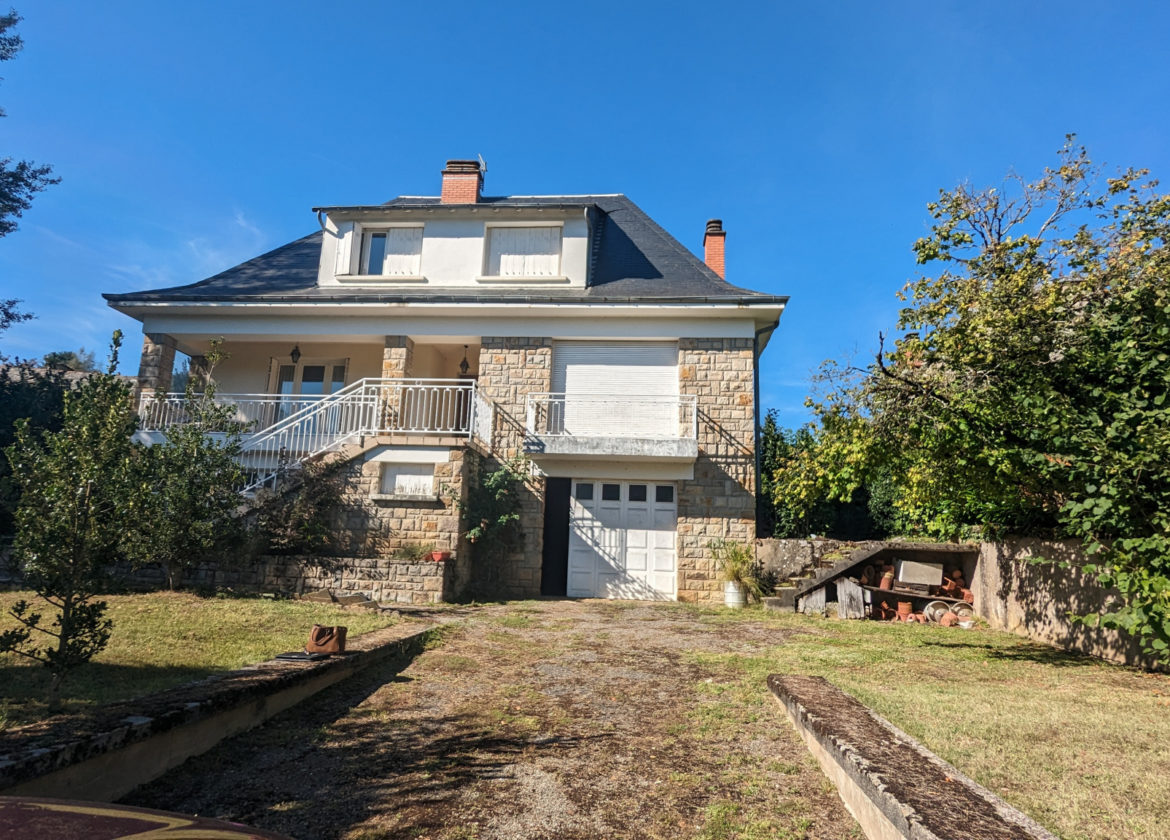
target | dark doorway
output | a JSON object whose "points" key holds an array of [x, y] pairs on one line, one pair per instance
{"points": [[554, 567]]}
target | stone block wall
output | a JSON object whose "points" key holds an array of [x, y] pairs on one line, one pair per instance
{"points": [[720, 501], [397, 357], [157, 363], [1020, 587], [509, 370]]}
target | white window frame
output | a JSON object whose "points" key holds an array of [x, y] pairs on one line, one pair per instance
{"points": [[420, 479], [358, 248], [556, 277]]}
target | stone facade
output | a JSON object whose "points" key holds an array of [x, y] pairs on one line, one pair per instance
{"points": [[509, 370], [720, 501]]}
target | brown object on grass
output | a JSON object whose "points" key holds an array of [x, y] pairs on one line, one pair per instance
{"points": [[949, 619], [324, 639]]}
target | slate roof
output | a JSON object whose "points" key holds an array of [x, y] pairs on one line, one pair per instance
{"points": [[633, 259]]}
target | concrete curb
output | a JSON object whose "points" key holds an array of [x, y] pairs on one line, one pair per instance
{"points": [[106, 755], [893, 786]]}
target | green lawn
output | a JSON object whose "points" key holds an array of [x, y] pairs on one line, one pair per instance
{"points": [[1081, 746], [163, 639]]}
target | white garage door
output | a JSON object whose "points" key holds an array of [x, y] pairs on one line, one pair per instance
{"points": [[622, 540]]}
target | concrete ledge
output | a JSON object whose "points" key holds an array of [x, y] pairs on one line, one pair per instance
{"points": [[105, 754], [893, 786]]}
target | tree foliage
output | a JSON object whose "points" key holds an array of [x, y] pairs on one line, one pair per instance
{"points": [[778, 515], [1030, 390], [22, 179], [192, 480], [491, 512], [81, 359], [77, 502]]}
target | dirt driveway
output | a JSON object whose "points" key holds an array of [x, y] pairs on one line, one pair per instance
{"points": [[542, 719]]}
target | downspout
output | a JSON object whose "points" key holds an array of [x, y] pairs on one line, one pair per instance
{"points": [[756, 388]]}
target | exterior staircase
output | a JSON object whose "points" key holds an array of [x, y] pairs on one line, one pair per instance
{"points": [[368, 407]]}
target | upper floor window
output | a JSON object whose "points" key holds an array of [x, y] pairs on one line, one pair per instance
{"points": [[523, 252], [392, 252]]}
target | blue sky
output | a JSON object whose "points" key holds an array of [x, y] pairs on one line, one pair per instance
{"points": [[192, 136]]}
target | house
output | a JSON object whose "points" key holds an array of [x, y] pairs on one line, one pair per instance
{"points": [[422, 338]]}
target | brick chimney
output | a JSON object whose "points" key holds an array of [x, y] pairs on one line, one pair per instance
{"points": [[462, 181], [713, 242]]}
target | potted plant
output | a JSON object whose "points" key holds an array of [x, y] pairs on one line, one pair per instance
{"points": [[438, 556], [737, 569]]}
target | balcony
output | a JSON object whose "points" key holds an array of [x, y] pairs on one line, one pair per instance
{"points": [[612, 426]]}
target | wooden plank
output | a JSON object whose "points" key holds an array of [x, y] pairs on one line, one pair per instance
{"points": [[850, 599]]}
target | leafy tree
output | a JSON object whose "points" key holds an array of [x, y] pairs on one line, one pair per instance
{"points": [[10, 314], [27, 392], [785, 518], [193, 481], [21, 180], [1030, 391], [71, 360], [77, 502], [37, 397]]}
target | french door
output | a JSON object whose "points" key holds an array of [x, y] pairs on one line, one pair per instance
{"points": [[303, 383]]}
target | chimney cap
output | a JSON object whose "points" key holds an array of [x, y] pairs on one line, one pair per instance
{"points": [[462, 166], [715, 226]]}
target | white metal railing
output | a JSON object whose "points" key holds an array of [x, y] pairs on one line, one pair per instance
{"points": [[158, 412], [613, 415], [304, 428]]}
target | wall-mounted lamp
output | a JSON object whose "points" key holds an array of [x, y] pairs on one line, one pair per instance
{"points": [[295, 355], [464, 366]]}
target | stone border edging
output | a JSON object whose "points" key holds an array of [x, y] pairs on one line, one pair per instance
{"points": [[104, 755], [892, 785]]}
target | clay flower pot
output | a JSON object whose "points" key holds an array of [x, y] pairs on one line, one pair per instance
{"points": [[439, 556], [905, 608], [949, 620], [887, 581]]}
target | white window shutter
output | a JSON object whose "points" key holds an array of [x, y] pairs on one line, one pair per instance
{"points": [[524, 252], [346, 233], [404, 251]]}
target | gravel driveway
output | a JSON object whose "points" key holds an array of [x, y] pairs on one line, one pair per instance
{"points": [[539, 719]]}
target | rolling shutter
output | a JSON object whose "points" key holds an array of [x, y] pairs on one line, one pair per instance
{"points": [[610, 388], [637, 368]]}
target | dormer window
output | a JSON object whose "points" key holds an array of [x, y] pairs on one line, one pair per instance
{"points": [[521, 252], [391, 252]]}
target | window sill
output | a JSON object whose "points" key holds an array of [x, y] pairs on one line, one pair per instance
{"points": [[524, 281], [404, 497], [366, 279]]}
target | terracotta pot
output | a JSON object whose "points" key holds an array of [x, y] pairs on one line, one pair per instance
{"points": [[949, 620], [905, 608], [968, 596], [887, 581], [438, 556]]}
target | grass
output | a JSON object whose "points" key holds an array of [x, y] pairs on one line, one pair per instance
{"points": [[163, 639], [1081, 746]]}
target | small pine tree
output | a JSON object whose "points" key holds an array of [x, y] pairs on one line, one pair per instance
{"points": [[77, 501]]}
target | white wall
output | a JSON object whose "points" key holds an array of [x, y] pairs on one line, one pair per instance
{"points": [[453, 249]]}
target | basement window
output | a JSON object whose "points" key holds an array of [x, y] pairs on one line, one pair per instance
{"points": [[408, 479]]}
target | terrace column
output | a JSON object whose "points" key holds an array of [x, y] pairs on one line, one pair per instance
{"points": [[158, 361], [397, 357]]}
